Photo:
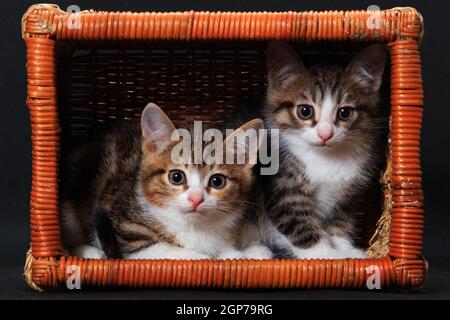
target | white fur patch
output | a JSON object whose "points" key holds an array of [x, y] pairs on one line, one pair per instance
{"points": [[331, 248], [89, 252], [330, 174], [167, 251], [322, 250], [346, 248], [327, 248], [195, 179], [230, 253], [257, 251], [327, 110]]}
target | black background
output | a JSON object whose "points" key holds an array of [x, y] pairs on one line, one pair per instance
{"points": [[15, 145]]}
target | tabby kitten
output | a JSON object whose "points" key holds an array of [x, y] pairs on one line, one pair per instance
{"points": [[124, 197], [329, 122]]}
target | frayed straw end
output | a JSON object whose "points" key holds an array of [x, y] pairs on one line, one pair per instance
{"points": [[27, 272], [379, 243]]}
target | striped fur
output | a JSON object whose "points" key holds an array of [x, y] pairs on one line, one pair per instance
{"points": [[309, 200], [118, 201]]}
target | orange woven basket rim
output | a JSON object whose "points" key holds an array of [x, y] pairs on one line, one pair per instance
{"points": [[43, 25], [394, 24]]}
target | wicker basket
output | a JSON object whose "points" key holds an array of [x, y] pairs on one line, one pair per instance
{"points": [[87, 68]]}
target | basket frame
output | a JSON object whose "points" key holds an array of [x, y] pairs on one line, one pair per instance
{"points": [[401, 29]]}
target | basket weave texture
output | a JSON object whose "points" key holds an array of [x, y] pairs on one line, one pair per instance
{"points": [[68, 94]]}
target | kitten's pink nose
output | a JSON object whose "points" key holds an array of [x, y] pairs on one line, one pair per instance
{"points": [[324, 131], [195, 198]]}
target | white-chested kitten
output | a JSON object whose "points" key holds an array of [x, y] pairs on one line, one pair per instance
{"points": [[329, 121], [124, 197]]}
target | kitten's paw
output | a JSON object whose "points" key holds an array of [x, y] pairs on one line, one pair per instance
{"points": [[194, 255], [89, 252], [251, 252], [321, 250], [257, 251], [166, 251], [230, 254], [346, 249], [354, 253]]}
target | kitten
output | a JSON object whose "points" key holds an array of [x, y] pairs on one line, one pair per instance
{"points": [[329, 122], [125, 198]]}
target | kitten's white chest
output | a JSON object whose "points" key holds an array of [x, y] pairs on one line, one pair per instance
{"points": [[330, 176], [324, 170], [208, 236], [206, 240]]}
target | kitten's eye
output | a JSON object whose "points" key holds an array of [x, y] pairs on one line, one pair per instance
{"points": [[217, 181], [305, 111], [345, 113], [177, 177]]}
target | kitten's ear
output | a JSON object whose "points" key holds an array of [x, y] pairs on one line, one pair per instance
{"points": [[367, 67], [246, 141], [156, 129], [283, 63]]}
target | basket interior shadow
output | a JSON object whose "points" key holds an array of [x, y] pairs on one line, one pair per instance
{"points": [[195, 81]]}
